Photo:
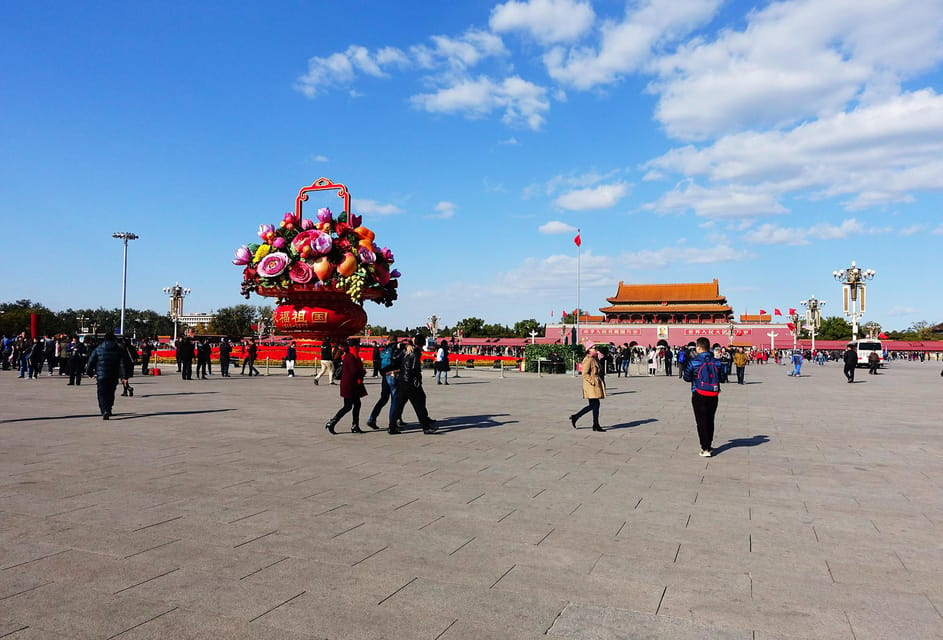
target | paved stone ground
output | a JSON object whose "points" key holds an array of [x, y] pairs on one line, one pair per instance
{"points": [[223, 509]]}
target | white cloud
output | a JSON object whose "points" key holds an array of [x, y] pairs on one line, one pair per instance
{"points": [[319, 158], [444, 210], [626, 46], [796, 60], [671, 256], [463, 52], [547, 21], [339, 69], [873, 155], [601, 197], [372, 207], [938, 231], [512, 141], [554, 227], [522, 102], [772, 234], [901, 311], [911, 230], [727, 201]]}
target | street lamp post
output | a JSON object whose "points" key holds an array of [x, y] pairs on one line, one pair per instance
{"points": [[853, 281], [796, 327], [177, 294], [813, 317], [731, 329], [124, 236]]}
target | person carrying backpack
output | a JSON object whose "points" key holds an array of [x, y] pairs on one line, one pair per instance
{"points": [[389, 360], [702, 371]]}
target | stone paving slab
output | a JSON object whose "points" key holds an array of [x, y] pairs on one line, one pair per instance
{"points": [[223, 509]]}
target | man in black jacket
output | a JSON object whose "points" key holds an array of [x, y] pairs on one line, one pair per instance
{"points": [[850, 358], [106, 364], [409, 387], [225, 348]]}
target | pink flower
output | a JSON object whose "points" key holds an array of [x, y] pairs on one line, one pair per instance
{"points": [[243, 255], [278, 243], [288, 219], [303, 241], [273, 264], [301, 272], [324, 214], [307, 224], [354, 220], [387, 255], [367, 256], [322, 243], [266, 232]]}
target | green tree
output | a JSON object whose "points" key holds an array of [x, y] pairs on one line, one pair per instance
{"points": [[472, 327], [834, 328], [234, 321], [522, 328]]}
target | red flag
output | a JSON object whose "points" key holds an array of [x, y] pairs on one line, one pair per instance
{"points": [[762, 312], [777, 312], [577, 240], [791, 326], [792, 311], [882, 336]]}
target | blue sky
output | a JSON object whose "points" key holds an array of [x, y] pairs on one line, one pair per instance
{"points": [[764, 144]]}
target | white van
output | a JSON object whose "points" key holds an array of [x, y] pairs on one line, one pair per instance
{"points": [[865, 347]]}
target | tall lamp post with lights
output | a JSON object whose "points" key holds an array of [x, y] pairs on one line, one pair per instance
{"points": [[796, 328], [853, 289], [813, 315], [177, 294], [124, 236]]}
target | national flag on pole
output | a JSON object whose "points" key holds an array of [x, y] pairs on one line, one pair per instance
{"points": [[792, 311], [777, 312], [577, 240], [762, 312], [882, 336], [791, 326]]}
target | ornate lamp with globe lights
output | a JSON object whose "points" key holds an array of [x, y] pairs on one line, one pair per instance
{"points": [[177, 294], [813, 316], [853, 292]]}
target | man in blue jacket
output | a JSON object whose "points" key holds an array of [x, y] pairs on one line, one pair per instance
{"points": [[702, 371], [106, 363]]}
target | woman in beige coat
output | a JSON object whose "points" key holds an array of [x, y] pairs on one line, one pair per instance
{"points": [[594, 388]]}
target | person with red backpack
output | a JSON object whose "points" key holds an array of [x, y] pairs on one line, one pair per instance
{"points": [[703, 372]]}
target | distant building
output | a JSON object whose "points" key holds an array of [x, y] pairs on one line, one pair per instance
{"points": [[687, 303]]}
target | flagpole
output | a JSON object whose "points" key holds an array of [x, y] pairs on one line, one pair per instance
{"points": [[579, 256]]}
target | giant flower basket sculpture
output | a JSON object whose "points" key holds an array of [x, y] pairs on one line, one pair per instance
{"points": [[320, 270]]}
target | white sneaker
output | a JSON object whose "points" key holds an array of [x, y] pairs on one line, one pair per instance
{"points": [[705, 453]]}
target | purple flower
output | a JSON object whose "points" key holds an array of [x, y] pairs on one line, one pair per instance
{"points": [[367, 256], [387, 254], [324, 214], [273, 264], [278, 243], [266, 232], [395, 273], [307, 224], [354, 220], [322, 244], [243, 255]]}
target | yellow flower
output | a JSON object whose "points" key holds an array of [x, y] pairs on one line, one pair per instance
{"points": [[261, 252]]}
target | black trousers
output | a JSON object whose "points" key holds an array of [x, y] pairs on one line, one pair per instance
{"points": [[416, 397], [592, 406], [106, 394], [224, 365], [740, 372], [201, 368], [704, 409], [145, 364], [850, 372], [186, 369], [350, 404], [76, 371]]}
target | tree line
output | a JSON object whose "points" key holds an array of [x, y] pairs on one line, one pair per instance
{"points": [[245, 319]]}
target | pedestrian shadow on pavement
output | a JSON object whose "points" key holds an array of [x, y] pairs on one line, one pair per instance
{"points": [[741, 442], [457, 423], [131, 416], [81, 415], [634, 423], [181, 393], [618, 393]]}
